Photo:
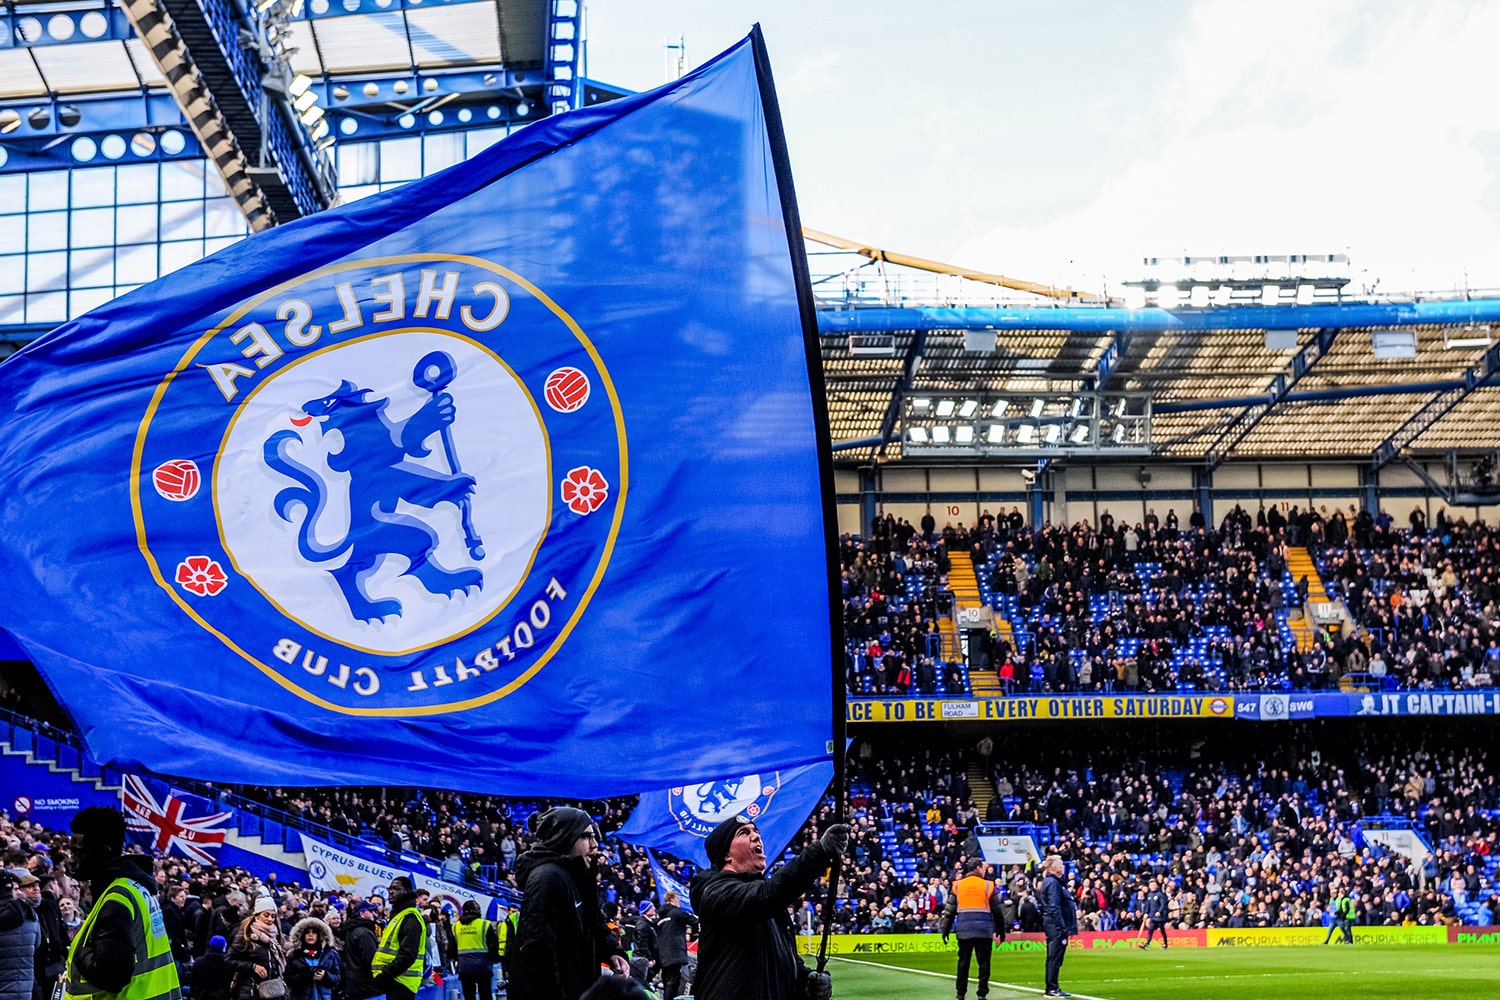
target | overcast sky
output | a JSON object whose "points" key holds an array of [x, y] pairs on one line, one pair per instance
{"points": [[1064, 140]]}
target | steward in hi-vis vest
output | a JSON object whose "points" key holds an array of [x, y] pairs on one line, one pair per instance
{"points": [[403, 946], [973, 912], [121, 950], [478, 950]]}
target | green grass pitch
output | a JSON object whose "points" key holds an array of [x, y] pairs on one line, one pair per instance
{"points": [[1408, 972]]}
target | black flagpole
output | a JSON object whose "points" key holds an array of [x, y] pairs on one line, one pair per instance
{"points": [[793, 221]]}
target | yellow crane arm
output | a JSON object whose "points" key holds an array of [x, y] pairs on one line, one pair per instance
{"points": [[937, 267]]}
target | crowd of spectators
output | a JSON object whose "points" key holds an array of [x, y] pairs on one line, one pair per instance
{"points": [[1155, 605]]}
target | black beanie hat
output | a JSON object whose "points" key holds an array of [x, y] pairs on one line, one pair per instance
{"points": [[560, 827], [716, 844]]}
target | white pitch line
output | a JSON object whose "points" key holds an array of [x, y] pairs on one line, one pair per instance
{"points": [[949, 976]]}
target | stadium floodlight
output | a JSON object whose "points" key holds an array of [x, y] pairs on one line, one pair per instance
{"points": [[1080, 434], [305, 100], [921, 404], [940, 434], [1467, 336], [1305, 295], [968, 408], [1118, 410], [1076, 410], [319, 130], [1270, 294], [1054, 433], [1026, 433], [1166, 296], [1036, 408], [1223, 295], [964, 434], [945, 407], [1135, 298], [917, 435], [299, 85], [311, 115], [998, 410], [1119, 435], [995, 434], [1198, 299], [1394, 343]]}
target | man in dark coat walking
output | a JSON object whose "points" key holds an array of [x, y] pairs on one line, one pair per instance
{"points": [[561, 938], [360, 941], [747, 950], [643, 960], [671, 943], [1059, 920]]}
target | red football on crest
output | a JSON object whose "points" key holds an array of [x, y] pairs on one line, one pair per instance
{"points": [[567, 390], [177, 479]]}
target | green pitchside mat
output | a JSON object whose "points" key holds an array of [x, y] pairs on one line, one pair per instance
{"points": [[1407, 972]]}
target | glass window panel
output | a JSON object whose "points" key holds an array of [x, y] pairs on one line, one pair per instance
{"points": [[94, 186], [401, 159], [442, 150], [12, 193], [93, 227], [12, 274], [355, 193], [12, 236], [46, 271], [176, 255], [92, 268], [136, 184], [46, 231], [221, 217], [12, 308], [182, 221], [483, 138], [89, 298], [213, 183], [125, 290], [136, 224], [47, 307], [182, 179], [358, 163], [49, 190], [218, 243], [136, 265]]}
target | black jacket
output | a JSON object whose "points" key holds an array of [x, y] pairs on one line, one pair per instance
{"points": [[644, 945], [562, 937], [671, 934], [360, 941], [747, 950], [211, 977], [52, 953], [1059, 912], [106, 959]]}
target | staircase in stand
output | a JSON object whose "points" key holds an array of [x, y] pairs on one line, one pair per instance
{"points": [[980, 788], [965, 587], [1299, 562]]}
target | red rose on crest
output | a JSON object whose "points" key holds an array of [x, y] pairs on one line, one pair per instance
{"points": [[584, 490], [201, 575]]}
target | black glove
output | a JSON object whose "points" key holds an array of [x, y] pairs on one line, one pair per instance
{"points": [[818, 986], [835, 839]]}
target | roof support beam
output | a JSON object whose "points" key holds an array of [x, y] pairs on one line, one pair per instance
{"points": [[908, 375], [1240, 427], [1109, 361], [1418, 423]]}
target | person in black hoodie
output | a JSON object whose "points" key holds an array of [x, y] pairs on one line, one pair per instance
{"points": [[360, 941], [105, 959], [212, 974], [747, 950], [561, 938]]}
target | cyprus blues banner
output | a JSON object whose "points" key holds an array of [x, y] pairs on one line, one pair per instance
{"points": [[508, 479], [676, 820]]}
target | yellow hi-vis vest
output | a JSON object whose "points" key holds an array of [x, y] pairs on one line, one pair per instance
{"points": [[470, 936], [504, 932], [155, 975], [410, 977]]}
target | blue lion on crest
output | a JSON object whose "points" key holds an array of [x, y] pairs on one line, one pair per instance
{"points": [[375, 453]]}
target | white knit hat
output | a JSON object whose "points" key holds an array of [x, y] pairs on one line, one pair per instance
{"points": [[264, 904]]}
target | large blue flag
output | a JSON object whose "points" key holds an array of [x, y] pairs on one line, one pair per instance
{"points": [[666, 882], [676, 820], [509, 479]]}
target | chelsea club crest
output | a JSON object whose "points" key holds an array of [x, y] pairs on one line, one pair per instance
{"points": [[391, 485], [701, 807]]}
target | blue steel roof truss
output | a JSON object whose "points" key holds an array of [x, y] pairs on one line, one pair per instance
{"points": [[1484, 373], [1240, 427]]}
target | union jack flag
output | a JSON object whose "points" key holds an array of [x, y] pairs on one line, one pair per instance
{"points": [[161, 822]]}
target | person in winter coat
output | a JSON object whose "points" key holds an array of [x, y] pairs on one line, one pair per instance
{"points": [[256, 953], [125, 910], [747, 950], [478, 947], [361, 938], [313, 969], [1059, 920], [212, 977], [52, 951], [561, 938], [643, 962], [20, 935], [672, 925]]}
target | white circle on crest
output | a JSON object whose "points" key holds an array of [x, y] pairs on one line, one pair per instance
{"points": [[497, 438]]}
